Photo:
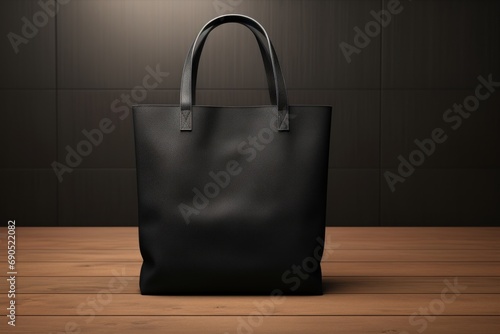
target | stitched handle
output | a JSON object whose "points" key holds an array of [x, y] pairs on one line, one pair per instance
{"points": [[273, 71]]}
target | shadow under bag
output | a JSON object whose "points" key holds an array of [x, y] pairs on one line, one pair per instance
{"points": [[232, 200]]}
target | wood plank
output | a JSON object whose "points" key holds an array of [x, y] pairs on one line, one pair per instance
{"points": [[332, 285], [330, 304], [55, 280], [74, 255], [339, 255], [329, 268], [414, 255], [264, 325], [433, 238]]}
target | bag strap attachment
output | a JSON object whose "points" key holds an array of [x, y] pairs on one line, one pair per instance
{"points": [[276, 83]]}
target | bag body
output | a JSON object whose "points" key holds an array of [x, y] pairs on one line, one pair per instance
{"points": [[232, 200]]}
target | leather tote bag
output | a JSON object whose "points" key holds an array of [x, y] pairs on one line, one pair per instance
{"points": [[232, 200]]}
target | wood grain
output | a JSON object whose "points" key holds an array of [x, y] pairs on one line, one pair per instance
{"points": [[339, 255], [329, 304], [375, 279], [360, 268], [268, 325], [331, 285]]}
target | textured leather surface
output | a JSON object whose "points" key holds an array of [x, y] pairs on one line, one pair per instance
{"points": [[258, 225]]}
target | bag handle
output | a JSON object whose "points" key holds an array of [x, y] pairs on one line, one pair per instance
{"points": [[276, 85], [262, 42]]}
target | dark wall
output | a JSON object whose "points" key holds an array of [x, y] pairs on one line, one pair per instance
{"points": [[395, 89]]}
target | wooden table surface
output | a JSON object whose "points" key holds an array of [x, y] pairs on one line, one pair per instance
{"points": [[377, 280]]}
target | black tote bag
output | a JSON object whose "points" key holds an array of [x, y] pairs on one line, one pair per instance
{"points": [[232, 200]]}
